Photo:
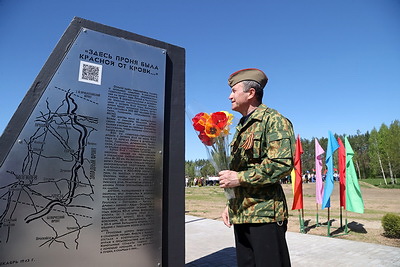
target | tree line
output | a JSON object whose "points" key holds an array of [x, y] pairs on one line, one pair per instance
{"points": [[376, 154]]}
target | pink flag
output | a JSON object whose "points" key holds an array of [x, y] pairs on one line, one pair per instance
{"points": [[342, 172], [319, 186]]}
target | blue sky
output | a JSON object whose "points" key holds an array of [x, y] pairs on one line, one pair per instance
{"points": [[332, 65]]}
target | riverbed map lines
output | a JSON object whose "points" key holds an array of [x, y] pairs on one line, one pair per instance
{"points": [[50, 187]]}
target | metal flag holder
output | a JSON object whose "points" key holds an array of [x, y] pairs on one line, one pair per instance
{"points": [[301, 221], [317, 224], [329, 226]]}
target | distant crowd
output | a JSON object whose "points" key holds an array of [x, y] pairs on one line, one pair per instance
{"points": [[308, 177], [201, 181]]}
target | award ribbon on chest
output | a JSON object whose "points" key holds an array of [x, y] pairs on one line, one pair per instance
{"points": [[249, 142]]}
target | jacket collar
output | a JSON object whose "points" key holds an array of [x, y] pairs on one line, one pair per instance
{"points": [[257, 114]]}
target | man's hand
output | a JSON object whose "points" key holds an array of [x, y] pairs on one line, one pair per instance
{"points": [[228, 179], [225, 217]]}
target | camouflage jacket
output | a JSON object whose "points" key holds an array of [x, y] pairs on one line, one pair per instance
{"points": [[262, 153]]}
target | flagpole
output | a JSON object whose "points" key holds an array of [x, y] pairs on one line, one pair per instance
{"points": [[346, 230], [329, 221], [341, 216], [301, 223]]}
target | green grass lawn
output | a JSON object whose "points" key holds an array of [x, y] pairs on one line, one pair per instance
{"points": [[380, 182]]}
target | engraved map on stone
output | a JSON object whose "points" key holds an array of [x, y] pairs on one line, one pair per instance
{"points": [[59, 203]]}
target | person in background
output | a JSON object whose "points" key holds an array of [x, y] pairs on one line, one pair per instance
{"points": [[262, 153]]}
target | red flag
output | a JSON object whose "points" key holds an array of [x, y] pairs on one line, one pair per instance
{"points": [[342, 172], [298, 187]]}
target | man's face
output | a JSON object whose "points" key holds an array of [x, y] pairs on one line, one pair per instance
{"points": [[239, 99]]}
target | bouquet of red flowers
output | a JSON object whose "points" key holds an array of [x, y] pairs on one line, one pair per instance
{"points": [[213, 131]]}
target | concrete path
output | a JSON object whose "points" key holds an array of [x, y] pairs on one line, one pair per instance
{"points": [[210, 243]]}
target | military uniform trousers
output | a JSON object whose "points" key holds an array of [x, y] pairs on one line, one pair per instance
{"points": [[261, 245]]}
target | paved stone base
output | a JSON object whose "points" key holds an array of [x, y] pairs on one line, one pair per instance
{"points": [[210, 243]]}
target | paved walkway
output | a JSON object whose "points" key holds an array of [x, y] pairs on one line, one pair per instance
{"points": [[210, 243]]}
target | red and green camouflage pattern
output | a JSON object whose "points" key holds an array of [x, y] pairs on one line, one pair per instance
{"points": [[262, 153]]}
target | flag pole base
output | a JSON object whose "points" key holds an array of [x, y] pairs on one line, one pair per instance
{"points": [[301, 223], [345, 230], [317, 224]]}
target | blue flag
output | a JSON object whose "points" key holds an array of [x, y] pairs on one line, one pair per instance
{"points": [[332, 147]]}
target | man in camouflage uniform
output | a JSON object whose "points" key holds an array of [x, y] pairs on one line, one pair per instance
{"points": [[262, 152]]}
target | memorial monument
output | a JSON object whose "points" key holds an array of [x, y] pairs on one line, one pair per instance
{"points": [[92, 162]]}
